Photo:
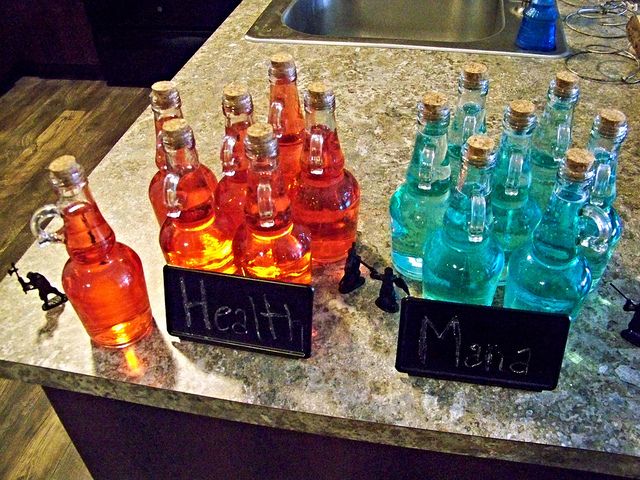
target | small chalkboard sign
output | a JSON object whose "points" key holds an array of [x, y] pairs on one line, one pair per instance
{"points": [[485, 345], [239, 312]]}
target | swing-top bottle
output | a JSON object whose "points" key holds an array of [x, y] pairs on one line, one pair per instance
{"points": [[285, 115], [231, 192], [462, 261], [607, 135], [515, 214], [326, 197], [552, 137], [103, 278], [194, 234], [469, 117], [269, 245], [166, 105], [418, 205], [547, 274]]}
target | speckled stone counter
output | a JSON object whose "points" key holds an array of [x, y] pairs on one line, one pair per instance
{"points": [[349, 388]]}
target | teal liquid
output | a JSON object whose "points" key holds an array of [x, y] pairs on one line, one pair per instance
{"points": [[415, 215], [544, 170], [457, 135], [598, 260]]}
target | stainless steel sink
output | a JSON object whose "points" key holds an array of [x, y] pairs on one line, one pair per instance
{"points": [[480, 26]]}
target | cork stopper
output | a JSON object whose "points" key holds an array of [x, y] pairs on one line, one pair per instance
{"points": [[165, 95], [611, 122], [521, 114], [433, 107], [479, 150], [319, 96], [177, 134], [566, 84], [260, 140], [282, 66], [64, 171], [474, 74], [578, 163], [236, 99]]}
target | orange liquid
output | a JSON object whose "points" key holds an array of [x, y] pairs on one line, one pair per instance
{"points": [[198, 238], [290, 140], [283, 254], [327, 203], [104, 280]]}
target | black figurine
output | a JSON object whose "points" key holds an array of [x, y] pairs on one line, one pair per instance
{"points": [[38, 282], [387, 299], [352, 277], [632, 333]]}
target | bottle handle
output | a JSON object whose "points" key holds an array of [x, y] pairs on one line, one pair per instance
{"points": [[514, 170], [600, 184], [425, 169], [600, 219], [171, 199], [316, 145], [265, 204], [563, 140], [477, 219], [468, 127], [41, 217], [226, 155], [275, 117]]}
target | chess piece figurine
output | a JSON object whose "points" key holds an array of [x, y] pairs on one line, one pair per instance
{"points": [[387, 299], [632, 333], [352, 277], [37, 281]]}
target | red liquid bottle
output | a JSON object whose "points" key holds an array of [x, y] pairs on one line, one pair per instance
{"points": [[103, 278], [269, 245], [285, 115], [326, 197], [231, 193], [193, 235], [166, 105]]}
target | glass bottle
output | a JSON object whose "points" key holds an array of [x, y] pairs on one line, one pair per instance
{"points": [[231, 192], [285, 115], [166, 105], [462, 260], [552, 138], [418, 205], [103, 278], [469, 117], [193, 235], [269, 245], [607, 135], [538, 28], [326, 197], [547, 274], [515, 214]]}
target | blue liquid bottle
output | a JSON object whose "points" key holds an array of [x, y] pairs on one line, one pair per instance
{"points": [[538, 28], [462, 261], [417, 206], [469, 117], [552, 138], [515, 214], [547, 274], [607, 135]]}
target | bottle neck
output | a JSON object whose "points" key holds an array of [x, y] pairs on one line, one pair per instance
{"points": [[267, 209], [470, 117], [468, 219], [554, 239], [285, 114], [512, 178], [552, 138], [322, 156], [160, 116], [232, 154], [606, 151], [87, 236], [427, 172]]}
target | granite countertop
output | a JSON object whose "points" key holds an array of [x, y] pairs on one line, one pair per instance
{"points": [[349, 387]]}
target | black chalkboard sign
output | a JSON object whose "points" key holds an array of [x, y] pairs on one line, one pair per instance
{"points": [[485, 345], [239, 312]]}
